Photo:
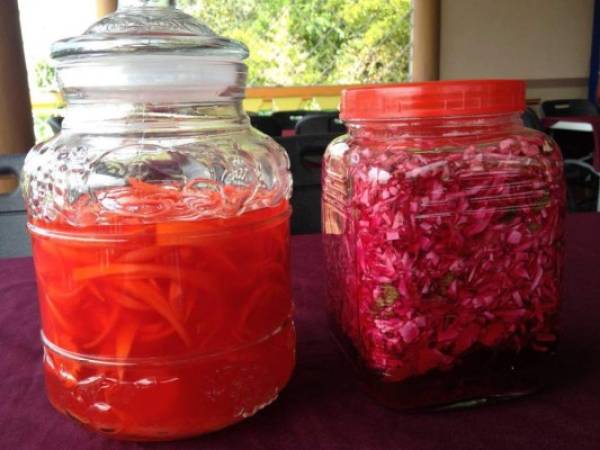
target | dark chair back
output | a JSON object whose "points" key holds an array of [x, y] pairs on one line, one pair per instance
{"points": [[266, 124], [579, 150], [14, 240], [573, 107], [288, 119], [573, 144], [320, 123], [55, 123], [532, 120], [306, 154]]}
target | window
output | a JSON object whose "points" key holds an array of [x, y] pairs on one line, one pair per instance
{"points": [[315, 42], [291, 43]]}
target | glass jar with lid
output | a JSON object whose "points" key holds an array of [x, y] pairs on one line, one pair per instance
{"points": [[443, 231], [159, 220]]}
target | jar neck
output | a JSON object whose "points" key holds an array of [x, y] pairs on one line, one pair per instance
{"points": [[92, 117], [437, 127]]}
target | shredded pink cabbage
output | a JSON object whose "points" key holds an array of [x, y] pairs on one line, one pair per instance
{"points": [[445, 252]]}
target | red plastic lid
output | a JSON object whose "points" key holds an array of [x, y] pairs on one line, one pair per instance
{"points": [[433, 99]]}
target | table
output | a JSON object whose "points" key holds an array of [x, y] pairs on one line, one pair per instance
{"points": [[323, 407]]}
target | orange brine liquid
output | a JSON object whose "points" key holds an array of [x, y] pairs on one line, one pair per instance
{"points": [[165, 330]]}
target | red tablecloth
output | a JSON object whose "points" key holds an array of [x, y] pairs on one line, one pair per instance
{"points": [[323, 407]]}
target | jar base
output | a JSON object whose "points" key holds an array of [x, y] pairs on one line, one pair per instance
{"points": [[118, 436], [171, 399], [483, 376]]}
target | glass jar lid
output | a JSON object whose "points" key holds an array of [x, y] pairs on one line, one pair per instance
{"points": [[147, 51], [148, 26]]}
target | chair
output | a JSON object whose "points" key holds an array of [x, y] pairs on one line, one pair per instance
{"points": [[288, 119], [306, 154], [532, 120], [320, 123], [573, 107], [14, 240], [55, 123], [575, 126], [266, 124]]}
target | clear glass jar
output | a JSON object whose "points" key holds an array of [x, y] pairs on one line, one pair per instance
{"points": [[159, 220], [443, 232]]}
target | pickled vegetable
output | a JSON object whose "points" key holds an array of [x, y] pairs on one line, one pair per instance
{"points": [[169, 328], [445, 262]]}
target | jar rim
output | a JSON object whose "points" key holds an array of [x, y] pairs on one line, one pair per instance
{"points": [[433, 99]]}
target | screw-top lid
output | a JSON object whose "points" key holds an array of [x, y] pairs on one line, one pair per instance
{"points": [[433, 99]]}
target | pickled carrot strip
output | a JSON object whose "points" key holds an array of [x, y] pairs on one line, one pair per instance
{"points": [[85, 253], [112, 321], [189, 308], [149, 188], [145, 292], [170, 234], [250, 305], [139, 271], [95, 292], [154, 328], [176, 297], [147, 201], [213, 330], [278, 300], [127, 301], [210, 231], [208, 338], [124, 342], [155, 332], [57, 315], [186, 253], [61, 295], [148, 337], [141, 255], [236, 194], [70, 251]]}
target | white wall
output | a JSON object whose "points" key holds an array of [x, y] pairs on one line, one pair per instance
{"points": [[546, 42]]}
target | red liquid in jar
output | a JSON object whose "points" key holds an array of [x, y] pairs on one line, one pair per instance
{"points": [[169, 329]]}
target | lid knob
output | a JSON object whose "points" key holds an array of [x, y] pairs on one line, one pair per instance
{"points": [[142, 3]]}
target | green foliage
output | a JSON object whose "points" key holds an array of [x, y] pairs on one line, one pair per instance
{"points": [[44, 80], [42, 129], [44, 75], [307, 42]]}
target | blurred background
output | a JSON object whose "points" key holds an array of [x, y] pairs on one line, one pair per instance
{"points": [[291, 42], [345, 42]]}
